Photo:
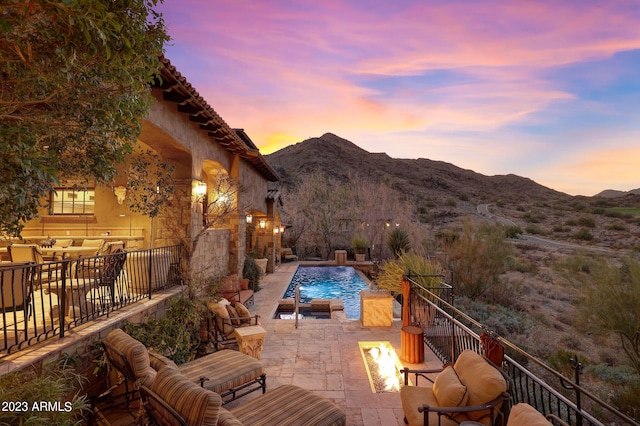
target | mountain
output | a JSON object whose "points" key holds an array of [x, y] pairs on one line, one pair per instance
{"points": [[613, 193], [424, 180]]}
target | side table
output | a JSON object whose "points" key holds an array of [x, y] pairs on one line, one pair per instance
{"points": [[250, 340]]}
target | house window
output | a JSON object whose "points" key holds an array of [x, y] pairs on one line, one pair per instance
{"points": [[72, 201]]}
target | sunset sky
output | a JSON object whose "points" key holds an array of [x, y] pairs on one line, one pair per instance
{"points": [[548, 90]]}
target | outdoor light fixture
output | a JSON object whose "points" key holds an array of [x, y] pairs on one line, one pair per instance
{"points": [[200, 189], [281, 229], [249, 218], [276, 230], [263, 224]]}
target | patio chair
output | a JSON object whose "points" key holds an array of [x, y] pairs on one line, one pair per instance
{"points": [[223, 322], [473, 389], [173, 400], [99, 243], [524, 414], [46, 270], [16, 290], [230, 374], [288, 256], [110, 272]]}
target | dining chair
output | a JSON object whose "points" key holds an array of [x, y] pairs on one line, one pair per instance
{"points": [[16, 290], [46, 269]]}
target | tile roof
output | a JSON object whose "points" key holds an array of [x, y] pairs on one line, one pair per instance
{"points": [[177, 89]]}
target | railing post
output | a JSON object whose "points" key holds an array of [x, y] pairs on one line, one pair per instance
{"points": [[150, 271], [577, 367], [62, 303]]}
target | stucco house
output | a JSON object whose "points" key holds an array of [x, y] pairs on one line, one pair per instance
{"points": [[186, 132]]}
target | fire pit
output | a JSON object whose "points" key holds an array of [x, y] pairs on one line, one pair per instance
{"points": [[383, 366]]}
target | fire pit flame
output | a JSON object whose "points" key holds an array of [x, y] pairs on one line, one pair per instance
{"points": [[382, 365]]}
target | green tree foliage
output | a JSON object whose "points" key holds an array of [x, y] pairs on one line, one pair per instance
{"points": [[74, 86], [398, 242], [477, 258], [609, 298]]}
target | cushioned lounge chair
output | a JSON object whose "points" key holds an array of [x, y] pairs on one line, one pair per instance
{"points": [[473, 389], [223, 322], [229, 373], [173, 400]]}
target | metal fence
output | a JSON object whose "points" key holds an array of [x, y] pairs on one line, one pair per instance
{"points": [[448, 331], [42, 301]]}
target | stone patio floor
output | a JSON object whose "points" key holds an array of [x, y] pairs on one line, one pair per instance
{"points": [[323, 356]]}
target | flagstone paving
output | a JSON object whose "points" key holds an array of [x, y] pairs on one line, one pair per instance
{"points": [[322, 356]]}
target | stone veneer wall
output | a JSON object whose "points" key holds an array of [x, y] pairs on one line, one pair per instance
{"points": [[212, 255]]}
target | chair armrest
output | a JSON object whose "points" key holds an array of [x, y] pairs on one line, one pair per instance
{"points": [[491, 405], [148, 395], [418, 373]]}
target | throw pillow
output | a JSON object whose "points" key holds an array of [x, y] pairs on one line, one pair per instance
{"points": [[483, 380], [448, 389], [243, 313], [235, 319]]}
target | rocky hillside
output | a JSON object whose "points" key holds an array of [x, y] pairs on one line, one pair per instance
{"points": [[430, 183], [443, 193]]}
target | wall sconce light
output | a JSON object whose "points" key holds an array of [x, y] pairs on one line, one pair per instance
{"points": [[263, 224], [276, 230], [200, 189], [249, 218], [282, 229]]}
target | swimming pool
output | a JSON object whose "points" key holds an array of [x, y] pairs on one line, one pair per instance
{"points": [[329, 282]]}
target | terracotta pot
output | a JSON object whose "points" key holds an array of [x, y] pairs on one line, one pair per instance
{"points": [[244, 284]]}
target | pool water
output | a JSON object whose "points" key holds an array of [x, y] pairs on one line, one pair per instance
{"points": [[329, 282]]}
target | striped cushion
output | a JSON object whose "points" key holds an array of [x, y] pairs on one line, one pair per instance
{"points": [[158, 361], [228, 419], [196, 405], [289, 405], [135, 352], [225, 369]]}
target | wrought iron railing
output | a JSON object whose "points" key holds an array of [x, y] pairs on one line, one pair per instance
{"points": [[42, 301], [448, 331]]}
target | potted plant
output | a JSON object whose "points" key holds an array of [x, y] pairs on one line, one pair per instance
{"points": [[360, 245]]}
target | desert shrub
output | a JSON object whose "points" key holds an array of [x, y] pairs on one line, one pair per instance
{"points": [[561, 361], [571, 222], [559, 229], [478, 257], [617, 226], [533, 230], [609, 298], [398, 242], [451, 202], [512, 231], [56, 381], [598, 210], [175, 336], [627, 399], [500, 319], [463, 197], [583, 234], [534, 218], [391, 272], [587, 222]]}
